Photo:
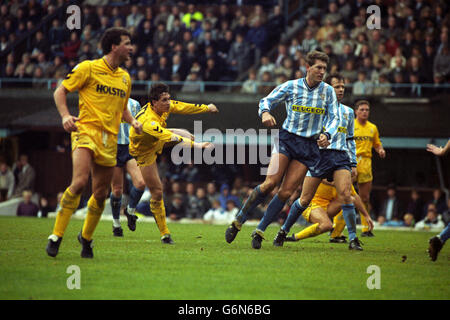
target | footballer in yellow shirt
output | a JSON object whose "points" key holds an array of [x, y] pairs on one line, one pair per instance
{"points": [[366, 137], [103, 89], [103, 95], [146, 145], [324, 206]]}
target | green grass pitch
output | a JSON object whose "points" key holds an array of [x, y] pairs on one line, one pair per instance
{"points": [[202, 266]]}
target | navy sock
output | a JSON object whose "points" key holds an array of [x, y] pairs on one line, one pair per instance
{"points": [[116, 203], [135, 196], [349, 213], [295, 212], [274, 208], [445, 234], [255, 198]]}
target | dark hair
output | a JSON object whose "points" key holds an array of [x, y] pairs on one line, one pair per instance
{"points": [[337, 76], [113, 36], [156, 90], [314, 55], [361, 102]]}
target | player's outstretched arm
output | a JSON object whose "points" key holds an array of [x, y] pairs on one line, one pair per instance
{"points": [[439, 151], [68, 121], [191, 108]]}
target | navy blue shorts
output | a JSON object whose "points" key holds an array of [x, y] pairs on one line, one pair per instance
{"points": [[123, 155], [331, 161], [304, 150]]}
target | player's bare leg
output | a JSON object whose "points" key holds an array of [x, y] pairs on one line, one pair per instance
{"points": [[153, 183], [277, 166], [321, 223], [364, 190], [101, 181], [343, 183], [310, 185], [294, 176], [82, 163]]}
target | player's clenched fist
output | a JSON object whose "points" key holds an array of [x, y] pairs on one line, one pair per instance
{"points": [[137, 126], [68, 123], [323, 141], [207, 145], [268, 120], [212, 108]]}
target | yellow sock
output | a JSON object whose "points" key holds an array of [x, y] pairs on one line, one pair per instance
{"points": [[159, 213], [338, 225], [308, 232], [69, 203], [95, 210], [363, 219]]}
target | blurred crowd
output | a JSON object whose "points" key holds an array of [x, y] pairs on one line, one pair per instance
{"points": [[191, 42], [410, 47], [172, 42]]}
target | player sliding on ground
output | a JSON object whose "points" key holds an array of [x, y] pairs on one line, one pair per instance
{"points": [[324, 206], [146, 146]]}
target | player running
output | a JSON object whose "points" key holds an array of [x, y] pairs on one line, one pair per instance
{"points": [[126, 162], [337, 162], [309, 101], [147, 145], [366, 138]]}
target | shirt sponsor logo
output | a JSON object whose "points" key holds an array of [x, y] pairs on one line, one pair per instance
{"points": [[111, 91], [308, 109], [363, 138], [342, 130]]}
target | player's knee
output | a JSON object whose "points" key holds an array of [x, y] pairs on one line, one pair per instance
{"points": [[117, 191], [157, 193], [100, 195], [325, 226], [305, 200], [78, 183], [284, 195], [346, 197], [140, 185], [268, 185]]}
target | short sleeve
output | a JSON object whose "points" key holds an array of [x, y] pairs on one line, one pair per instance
{"points": [[78, 77]]}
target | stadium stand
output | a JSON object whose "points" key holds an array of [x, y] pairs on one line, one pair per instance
{"points": [[409, 53], [218, 46]]}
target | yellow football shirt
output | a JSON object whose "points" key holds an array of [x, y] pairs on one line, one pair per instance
{"points": [[103, 93], [366, 138], [154, 134]]}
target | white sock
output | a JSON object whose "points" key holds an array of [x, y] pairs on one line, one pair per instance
{"points": [[116, 223], [131, 210]]}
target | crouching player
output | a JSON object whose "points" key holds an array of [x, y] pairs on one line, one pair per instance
{"points": [[324, 206]]}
